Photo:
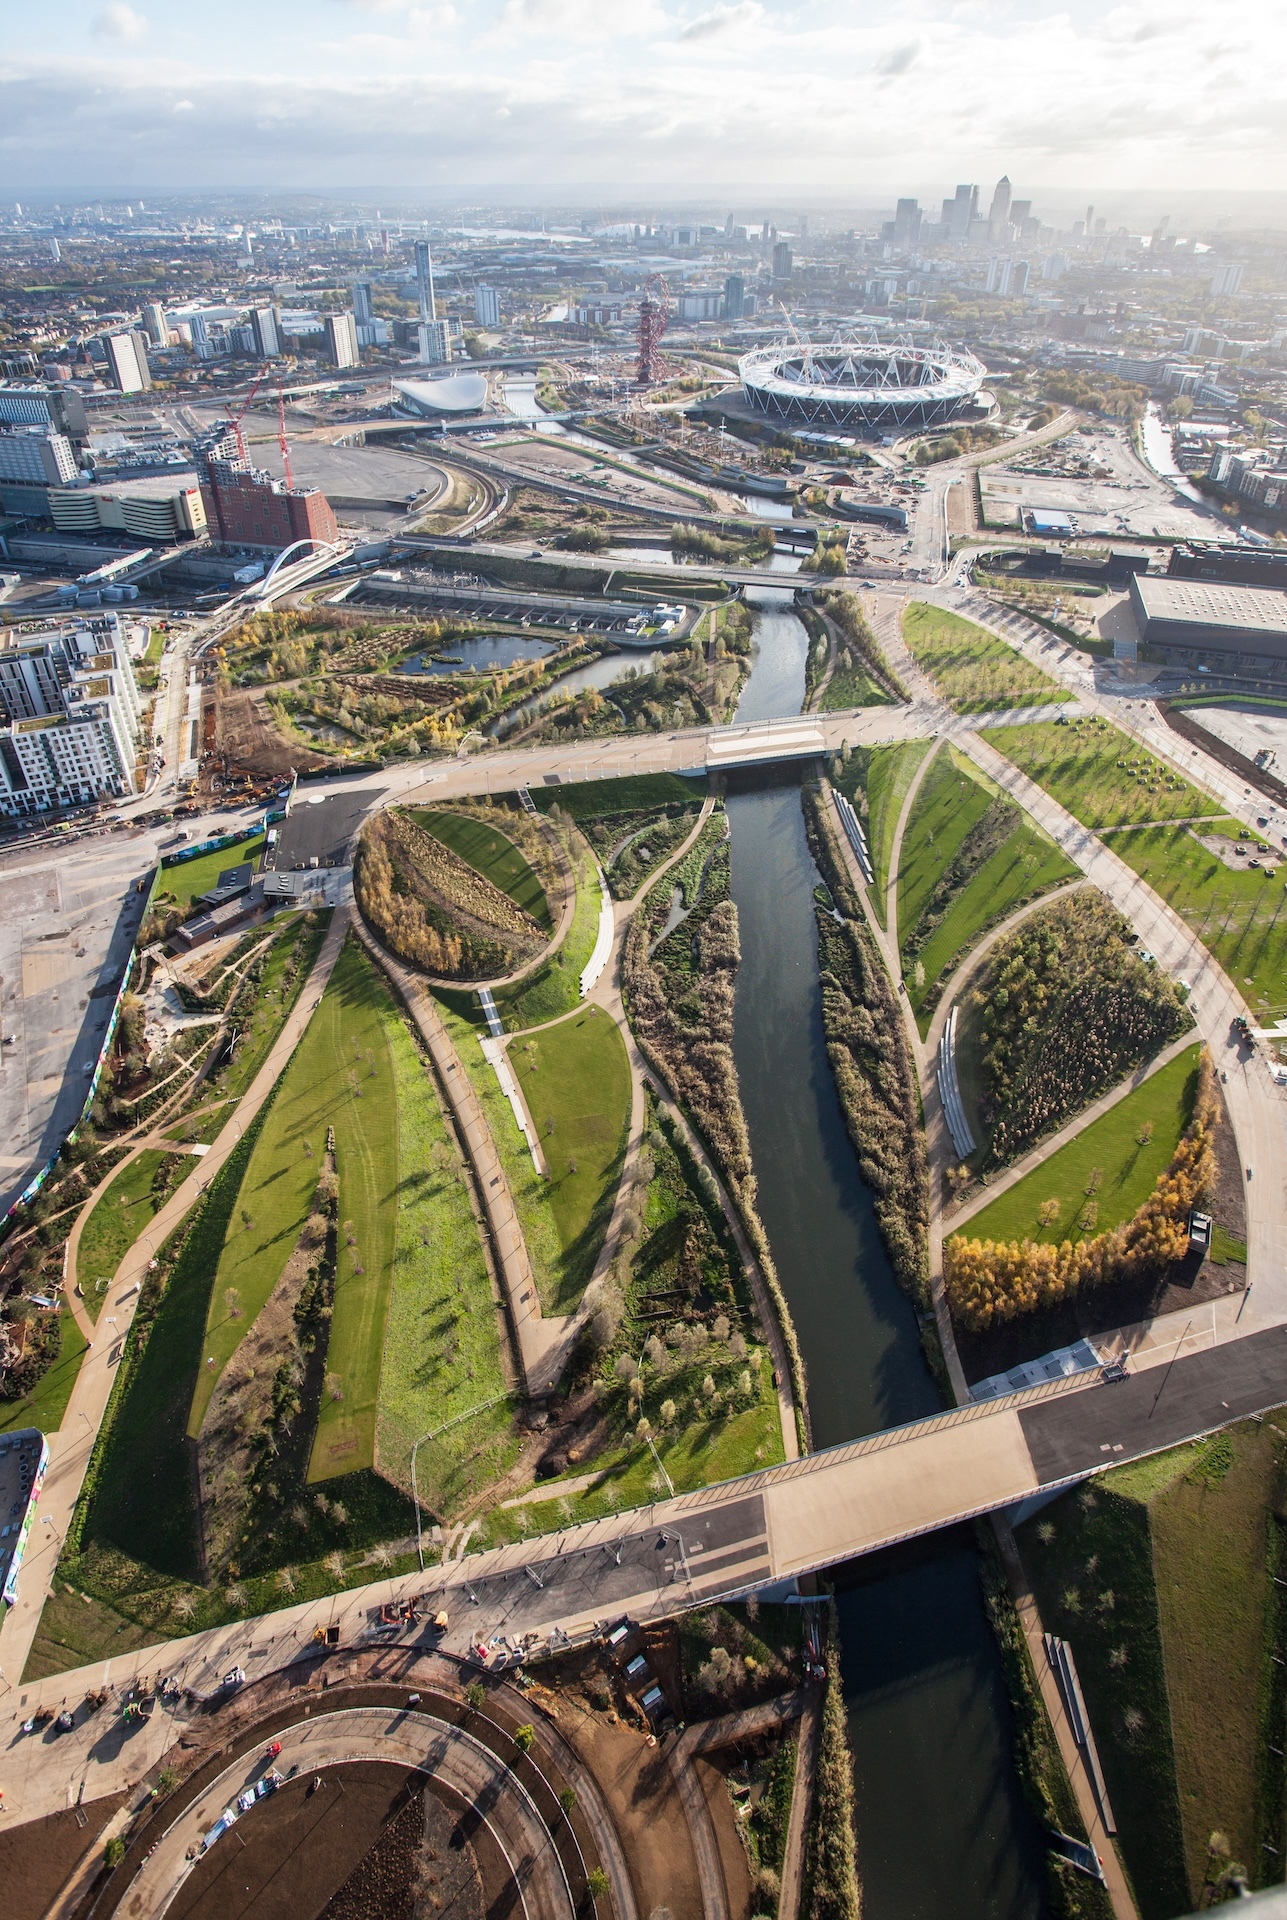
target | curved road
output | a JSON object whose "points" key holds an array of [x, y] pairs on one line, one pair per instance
{"points": [[399, 1737]]}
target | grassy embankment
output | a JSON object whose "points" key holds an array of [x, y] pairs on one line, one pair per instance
{"points": [[1111, 1149], [46, 1404], [488, 851], [1162, 1576], [973, 670], [122, 1212], [633, 824], [576, 1079], [340, 1077], [555, 987], [1102, 776], [877, 781], [969, 857]]}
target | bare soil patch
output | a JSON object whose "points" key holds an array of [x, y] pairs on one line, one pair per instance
{"points": [[248, 740], [38, 1859]]}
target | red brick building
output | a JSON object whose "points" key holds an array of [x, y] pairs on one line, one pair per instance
{"points": [[251, 509]]}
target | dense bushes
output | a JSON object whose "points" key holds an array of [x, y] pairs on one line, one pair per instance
{"points": [[832, 1871], [875, 1078], [988, 1282], [1065, 1010]]}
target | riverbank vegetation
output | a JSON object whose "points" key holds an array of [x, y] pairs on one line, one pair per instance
{"points": [[1163, 1577], [1063, 1010], [832, 1889], [971, 669], [633, 824], [875, 1076], [1102, 776], [989, 1282], [693, 684], [969, 858]]}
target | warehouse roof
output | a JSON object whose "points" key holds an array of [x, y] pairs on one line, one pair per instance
{"points": [[1211, 603]]}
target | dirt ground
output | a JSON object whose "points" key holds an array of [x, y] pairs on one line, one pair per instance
{"points": [[37, 1860], [245, 734]]}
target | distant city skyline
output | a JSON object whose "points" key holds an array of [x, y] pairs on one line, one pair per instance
{"points": [[384, 96]]}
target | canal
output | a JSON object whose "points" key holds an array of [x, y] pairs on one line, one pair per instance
{"points": [[942, 1826]]}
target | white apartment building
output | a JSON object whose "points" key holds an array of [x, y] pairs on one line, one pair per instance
{"points": [[74, 714], [127, 362], [64, 760]]}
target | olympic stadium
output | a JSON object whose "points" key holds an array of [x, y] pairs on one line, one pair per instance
{"points": [[867, 387]]}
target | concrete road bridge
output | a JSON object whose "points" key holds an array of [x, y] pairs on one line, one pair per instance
{"points": [[745, 1536]]}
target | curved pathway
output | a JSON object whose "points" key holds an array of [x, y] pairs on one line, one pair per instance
{"points": [[73, 1444], [398, 1737]]}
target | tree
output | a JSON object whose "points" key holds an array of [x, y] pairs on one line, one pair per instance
{"points": [[524, 1737]]}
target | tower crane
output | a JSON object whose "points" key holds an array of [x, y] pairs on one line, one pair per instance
{"points": [[237, 418], [281, 436]]}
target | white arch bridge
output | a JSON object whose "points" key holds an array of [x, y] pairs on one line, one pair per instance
{"points": [[324, 554]]}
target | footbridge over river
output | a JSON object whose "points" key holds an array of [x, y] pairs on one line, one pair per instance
{"points": [[743, 1536]]}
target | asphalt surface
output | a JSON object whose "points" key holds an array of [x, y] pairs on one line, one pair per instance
{"points": [[1148, 1412]]}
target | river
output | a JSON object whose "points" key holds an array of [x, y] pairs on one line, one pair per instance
{"points": [[1155, 438], [941, 1823]]}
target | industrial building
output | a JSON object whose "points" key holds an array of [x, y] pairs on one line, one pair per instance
{"points": [[1242, 566], [1210, 626], [862, 386]]}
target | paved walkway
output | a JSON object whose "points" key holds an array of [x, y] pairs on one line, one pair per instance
{"points": [[71, 1447]]}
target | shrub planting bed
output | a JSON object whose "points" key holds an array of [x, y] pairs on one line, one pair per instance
{"points": [[436, 910], [1063, 1010], [858, 646], [481, 842], [973, 670]]}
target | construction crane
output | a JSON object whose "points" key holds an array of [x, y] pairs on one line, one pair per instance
{"points": [[281, 436], [237, 418], [652, 324]]}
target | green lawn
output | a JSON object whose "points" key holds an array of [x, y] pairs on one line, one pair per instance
{"points": [[193, 877], [852, 686], [889, 773], [973, 670], [951, 799], [1160, 1579], [340, 1076], [635, 793], [119, 1217], [442, 1342], [1027, 865], [530, 1192], [46, 1404], [576, 1080], [487, 850], [1128, 1171], [1240, 917], [1087, 767], [555, 987]]}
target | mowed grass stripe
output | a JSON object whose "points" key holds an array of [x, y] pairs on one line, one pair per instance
{"points": [[365, 1119], [442, 1341], [890, 773], [950, 801], [488, 851], [318, 1090], [1128, 1169]]}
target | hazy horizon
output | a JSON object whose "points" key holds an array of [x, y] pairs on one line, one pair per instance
{"points": [[539, 99]]}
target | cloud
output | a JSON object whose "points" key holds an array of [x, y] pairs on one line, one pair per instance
{"points": [[900, 59], [582, 19], [721, 20], [119, 22], [183, 106]]}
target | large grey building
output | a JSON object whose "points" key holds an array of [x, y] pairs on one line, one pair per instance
{"points": [[40, 458], [1207, 624]]}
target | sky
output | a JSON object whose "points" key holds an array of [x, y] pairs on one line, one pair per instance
{"points": [[612, 97]]}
